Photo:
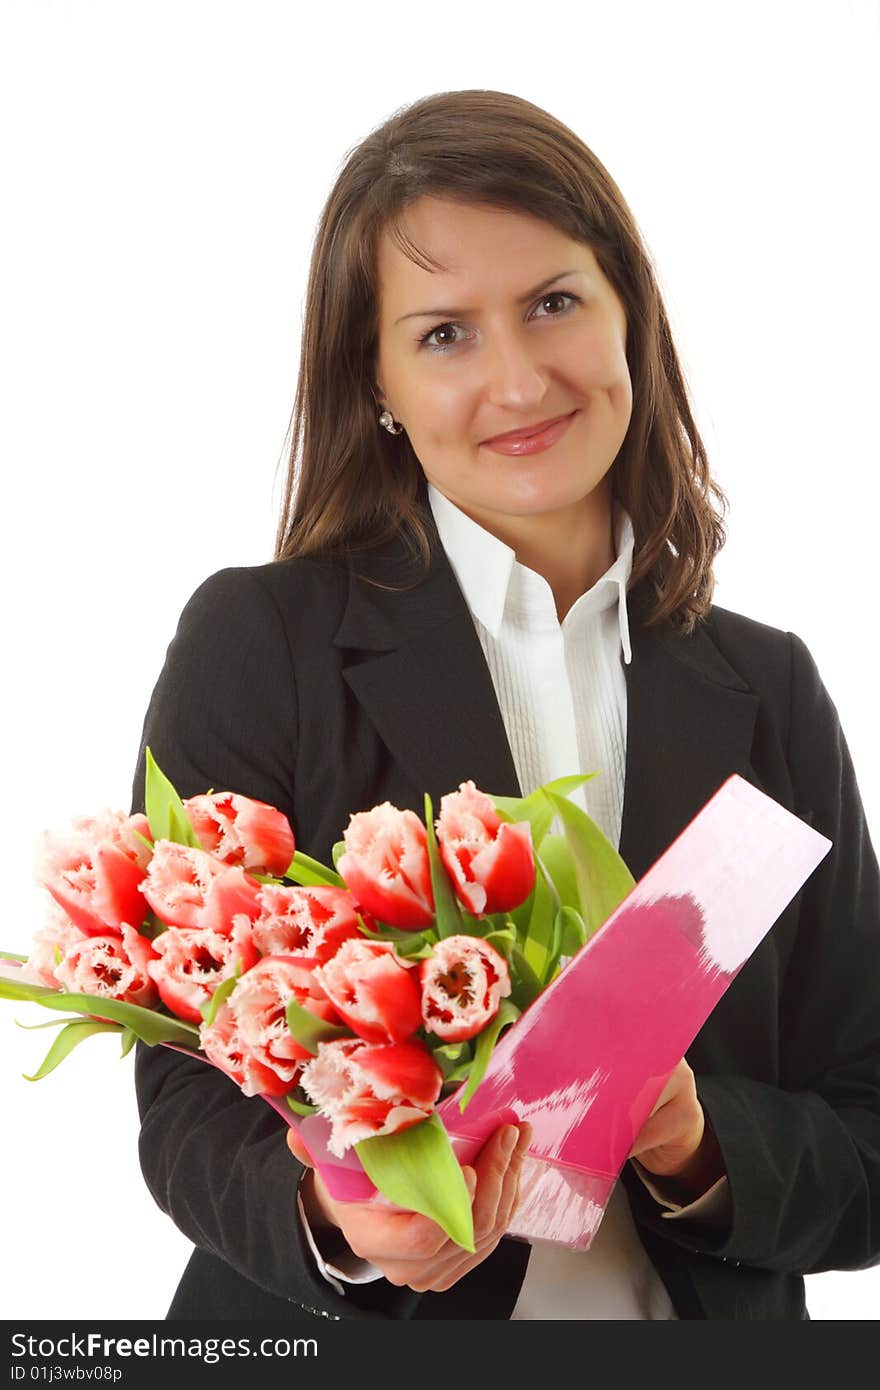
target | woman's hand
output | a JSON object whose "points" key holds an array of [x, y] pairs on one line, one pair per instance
{"points": [[410, 1249], [676, 1143]]}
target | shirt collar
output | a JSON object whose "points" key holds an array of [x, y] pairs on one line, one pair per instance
{"points": [[484, 566]]}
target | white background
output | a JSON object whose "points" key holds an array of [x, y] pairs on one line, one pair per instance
{"points": [[163, 167]]}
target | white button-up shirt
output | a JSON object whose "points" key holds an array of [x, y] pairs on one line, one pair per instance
{"points": [[561, 690]]}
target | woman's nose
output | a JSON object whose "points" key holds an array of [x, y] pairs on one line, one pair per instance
{"points": [[513, 372]]}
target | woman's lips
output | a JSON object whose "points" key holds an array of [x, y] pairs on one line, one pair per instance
{"points": [[531, 443]]}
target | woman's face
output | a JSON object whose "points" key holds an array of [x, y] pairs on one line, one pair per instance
{"points": [[521, 328]]}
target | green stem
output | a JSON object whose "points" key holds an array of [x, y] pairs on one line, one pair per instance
{"points": [[554, 892]]}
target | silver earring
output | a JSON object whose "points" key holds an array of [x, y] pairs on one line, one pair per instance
{"points": [[392, 426]]}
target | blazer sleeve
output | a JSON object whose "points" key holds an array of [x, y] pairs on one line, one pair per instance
{"points": [[223, 715], [803, 1157]]}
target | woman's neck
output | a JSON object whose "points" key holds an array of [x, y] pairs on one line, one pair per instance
{"points": [[571, 549]]}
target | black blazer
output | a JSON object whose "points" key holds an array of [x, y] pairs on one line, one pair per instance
{"points": [[302, 685]]}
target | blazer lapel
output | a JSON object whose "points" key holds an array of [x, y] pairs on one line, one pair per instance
{"points": [[419, 672], [690, 720]]}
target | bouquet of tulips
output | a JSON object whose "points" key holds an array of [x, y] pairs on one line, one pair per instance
{"points": [[364, 992]]}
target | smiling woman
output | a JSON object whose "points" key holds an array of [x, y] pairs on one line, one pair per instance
{"points": [[511, 374], [564, 317], [494, 565]]}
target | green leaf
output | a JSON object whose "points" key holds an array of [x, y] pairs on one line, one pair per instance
{"points": [[10, 955], [414, 951], [337, 852], [485, 1043], [143, 839], [572, 931], [151, 926], [503, 940], [167, 818], [521, 916], [526, 984], [417, 1169], [536, 808], [23, 989], [558, 862], [603, 880], [69, 1038], [309, 1030], [482, 926], [459, 1073], [311, 873], [411, 944], [150, 1026], [537, 936], [446, 909], [53, 1023], [129, 1038], [301, 1107], [450, 1056], [209, 1008], [553, 951]]}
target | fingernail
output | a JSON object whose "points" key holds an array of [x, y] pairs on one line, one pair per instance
{"points": [[511, 1134]]}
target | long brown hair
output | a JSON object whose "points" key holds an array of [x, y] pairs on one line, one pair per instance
{"points": [[350, 484]]}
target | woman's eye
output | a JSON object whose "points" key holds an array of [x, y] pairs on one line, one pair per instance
{"points": [[442, 328], [425, 340]]}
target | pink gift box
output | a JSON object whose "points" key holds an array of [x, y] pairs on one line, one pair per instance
{"points": [[589, 1058]]}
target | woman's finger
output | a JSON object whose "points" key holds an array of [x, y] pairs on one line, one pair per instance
{"points": [[491, 1165], [298, 1148], [510, 1191], [451, 1262], [678, 1078]]}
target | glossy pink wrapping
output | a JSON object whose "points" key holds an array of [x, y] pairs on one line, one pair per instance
{"points": [[585, 1064]]}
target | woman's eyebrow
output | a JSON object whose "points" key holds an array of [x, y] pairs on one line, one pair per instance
{"points": [[430, 313]]}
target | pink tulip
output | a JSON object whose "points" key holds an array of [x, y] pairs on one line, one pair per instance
{"points": [[463, 982], [386, 866], [115, 966], [366, 1089], [55, 938], [254, 1024], [190, 888], [308, 922], [241, 831], [373, 990], [223, 1045], [94, 867], [490, 861], [192, 962]]}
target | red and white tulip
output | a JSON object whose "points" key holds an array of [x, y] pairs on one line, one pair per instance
{"points": [[192, 961], [190, 888], [308, 922], [94, 868], [373, 990], [242, 831], [386, 866], [252, 1024], [491, 862], [115, 966], [463, 982], [369, 1089]]}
